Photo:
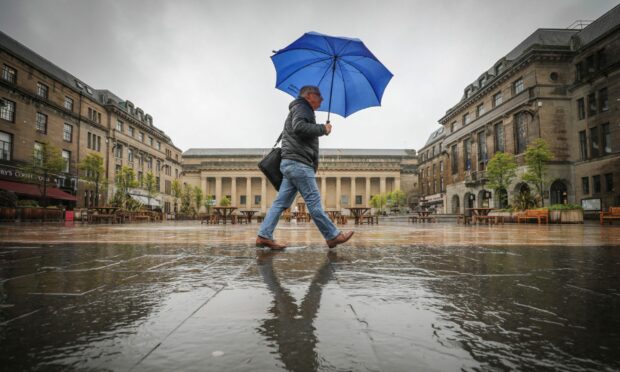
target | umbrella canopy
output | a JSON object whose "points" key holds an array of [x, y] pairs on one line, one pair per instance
{"points": [[350, 77]]}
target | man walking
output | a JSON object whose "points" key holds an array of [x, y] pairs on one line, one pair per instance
{"points": [[300, 161]]}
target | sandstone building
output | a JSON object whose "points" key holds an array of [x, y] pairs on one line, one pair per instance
{"points": [[346, 177], [40, 102], [562, 85]]}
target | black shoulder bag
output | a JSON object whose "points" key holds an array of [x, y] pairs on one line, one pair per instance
{"points": [[270, 165]]}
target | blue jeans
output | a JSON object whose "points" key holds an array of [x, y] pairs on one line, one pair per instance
{"points": [[298, 177]]}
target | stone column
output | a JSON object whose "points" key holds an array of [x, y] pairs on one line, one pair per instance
{"points": [[248, 193], [397, 183], [203, 187], [382, 185], [233, 192], [367, 196], [323, 190], [218, 190], [338, 192], [353, 191], [263, 194]]}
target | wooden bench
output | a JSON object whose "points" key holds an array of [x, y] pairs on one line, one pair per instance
{"points": [[611, 215], [539, 215]]}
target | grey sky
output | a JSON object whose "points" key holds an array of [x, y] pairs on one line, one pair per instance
{"points": [[202, 68]]}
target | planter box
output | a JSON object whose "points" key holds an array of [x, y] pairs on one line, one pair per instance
{"points": [[8, 214], [508, 216], [566, 216]]}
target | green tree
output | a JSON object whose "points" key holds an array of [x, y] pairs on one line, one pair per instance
{"points": [[186, 200], [176, 193], [46, 161], [209, 202], [537, 156], [225, 202], [198, 196], [378, 201], [93, 173], [501, 170], [396, 199], [150, 185], [125, 179]]}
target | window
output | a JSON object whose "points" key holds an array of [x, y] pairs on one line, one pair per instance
{"points": [[441, 167], [141, 137], [158, 166], [69, 103], [601, 59], [168, 187], [480, 110], [581, 109], [603, 100], [606, 139], [583, 145], [609, 182], [499, 137], [520, 133], [67, 133], [6, 140], [158, 145], [7, 110], [590, 63], [94, 115], [42, 90], [38, 154], [497, 99], [453, 127], [482, 150], [41, 123], [119, 125], [66, 156], [9, 74], [150, 141], [94, 142], [118, 169], [579, 71], [158, 184], [596, 183], [257, 199], [591, 104], [454, 157], [466, 119], [594, 142], [585, 185], [149, 163], [130, 131], [243, 199], [518, 86], [358, 199], [129, 155], [467, 154], [118, 151], [140, 178]]}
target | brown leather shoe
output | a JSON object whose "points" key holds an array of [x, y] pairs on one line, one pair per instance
{"points": [[263, 242], [341, 238]]}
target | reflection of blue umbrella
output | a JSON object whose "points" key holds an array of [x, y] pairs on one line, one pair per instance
{"points": [[350, 77]]}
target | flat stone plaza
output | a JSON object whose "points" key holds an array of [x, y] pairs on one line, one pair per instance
{"points": [[397, 297]]}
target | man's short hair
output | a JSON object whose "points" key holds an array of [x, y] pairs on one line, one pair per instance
{"points": [[307, 89]]}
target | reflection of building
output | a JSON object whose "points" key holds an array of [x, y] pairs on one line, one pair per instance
{"points": [[561, 85], [43, 103], [431, 171], [346, 177]]}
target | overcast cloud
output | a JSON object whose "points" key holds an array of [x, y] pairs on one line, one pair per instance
{"points": [[202, 68]]}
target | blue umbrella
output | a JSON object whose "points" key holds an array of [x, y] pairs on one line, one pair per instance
{"points": [[350, 77]]}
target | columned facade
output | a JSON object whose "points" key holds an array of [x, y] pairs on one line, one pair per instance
{"points": [[348, 178]]}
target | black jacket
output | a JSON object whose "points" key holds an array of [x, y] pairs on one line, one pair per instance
{"points": [[300, 138]]}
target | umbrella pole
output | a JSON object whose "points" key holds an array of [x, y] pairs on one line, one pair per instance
{"points": [[331, 89]]}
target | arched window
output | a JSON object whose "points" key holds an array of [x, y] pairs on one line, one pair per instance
{"points": [[559, 192]]}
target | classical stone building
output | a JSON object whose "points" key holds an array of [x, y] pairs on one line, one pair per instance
{"points": [[562, 85], [431, 172], [42, 103], [346, 177]]}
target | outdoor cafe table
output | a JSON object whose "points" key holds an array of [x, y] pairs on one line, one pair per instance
{"points": [[424, 215], [248, 213], [225, 211], [105, 212], [480, 212], [358, 213], [333, 214]]}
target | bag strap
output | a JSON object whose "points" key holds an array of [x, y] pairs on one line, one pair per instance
{"points": [[278, 140]]}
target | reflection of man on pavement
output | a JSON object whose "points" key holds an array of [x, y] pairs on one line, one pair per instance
{"points": [[291, 327]]}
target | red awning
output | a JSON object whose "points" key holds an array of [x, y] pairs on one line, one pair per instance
{"points": [[33, 190]]}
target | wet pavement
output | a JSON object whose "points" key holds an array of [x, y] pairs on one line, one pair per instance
{"points": [[398, 297]]}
